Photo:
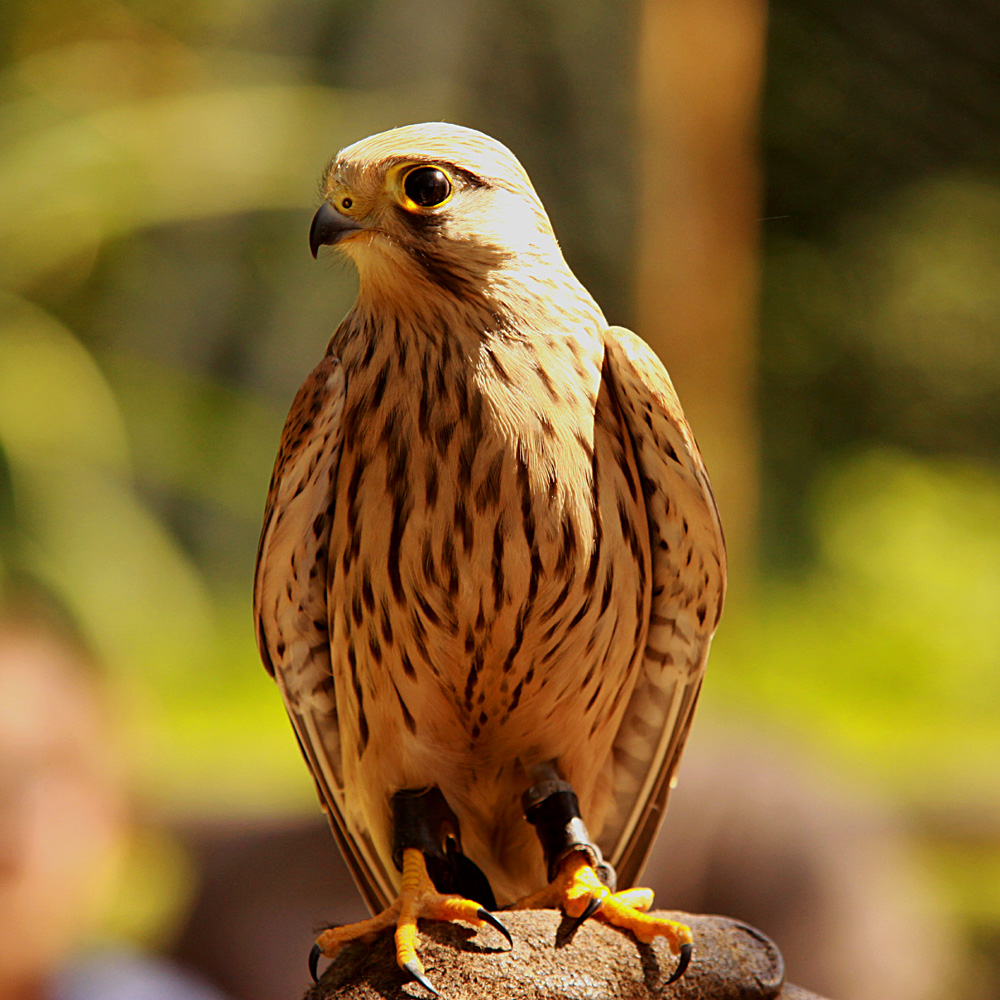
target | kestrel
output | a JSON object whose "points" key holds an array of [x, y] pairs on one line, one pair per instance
{"points": [[491, 562]]}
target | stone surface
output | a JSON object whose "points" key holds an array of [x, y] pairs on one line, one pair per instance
{"points": [[553, 959]]}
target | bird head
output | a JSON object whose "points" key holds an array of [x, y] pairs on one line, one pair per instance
{"points": [[434, 202]]}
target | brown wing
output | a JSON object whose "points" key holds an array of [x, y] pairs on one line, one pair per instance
{"points": [[689, 582], [290, 604]]}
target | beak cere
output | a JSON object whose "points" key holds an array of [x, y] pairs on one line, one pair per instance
{"points": [[329, 227]]}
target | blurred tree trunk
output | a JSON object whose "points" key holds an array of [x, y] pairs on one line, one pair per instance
{"points": [[699, 80]]}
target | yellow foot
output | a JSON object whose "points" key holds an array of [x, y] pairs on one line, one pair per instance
{"points": [[418, 899], [580, 893]]}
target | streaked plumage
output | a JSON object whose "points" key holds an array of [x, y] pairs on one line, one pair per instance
{"points": [[490, 541]]}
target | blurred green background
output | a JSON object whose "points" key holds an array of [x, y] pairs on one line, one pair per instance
{"points": [[158, 309]]}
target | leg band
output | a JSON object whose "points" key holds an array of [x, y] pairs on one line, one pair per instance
{"points": [[422, 818], [551, 807]]}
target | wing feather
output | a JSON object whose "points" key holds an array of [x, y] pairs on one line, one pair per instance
{"points": [[290, 604], [688, 581]]}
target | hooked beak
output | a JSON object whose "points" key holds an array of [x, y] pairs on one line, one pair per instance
{"points": [[329, 227]]}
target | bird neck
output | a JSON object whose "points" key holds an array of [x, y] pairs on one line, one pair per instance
{"points": [[426, 296]]}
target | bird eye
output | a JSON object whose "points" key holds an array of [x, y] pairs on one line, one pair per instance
{"points": [[427, 186]]}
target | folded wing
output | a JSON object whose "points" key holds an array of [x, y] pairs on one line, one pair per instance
{"points": [[689, 581], [290, 604]]}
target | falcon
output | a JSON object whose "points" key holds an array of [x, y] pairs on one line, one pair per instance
{"points": [[491, 563]]}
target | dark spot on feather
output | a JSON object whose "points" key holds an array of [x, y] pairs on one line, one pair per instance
{"points": [[463, 523], [546, 381], [584, 608], [470, 682], [408, 666], [568, 545], [527, 511], [557, 603], [516, 645], [362, 729], [535, 572], [476, 418], [462, 398], [429, 613], [369, 352], [450, 564], [386, 625], [408, 720], [400, 515], [606, 594], [424, 412], [429, 569], [664, 658], [497, 366], [488, 494], [466, 456], [516, 696], [378, 389], [497, 567], [444, 435], [431, 484], [630, 480]]}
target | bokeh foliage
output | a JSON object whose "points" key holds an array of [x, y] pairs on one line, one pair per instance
{"points": [[158, 309]]}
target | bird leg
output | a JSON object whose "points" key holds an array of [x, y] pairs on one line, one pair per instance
{"points": [[581, 882], [427, 850]]}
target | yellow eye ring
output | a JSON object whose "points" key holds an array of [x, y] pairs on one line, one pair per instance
{"points": [[425, 186]]}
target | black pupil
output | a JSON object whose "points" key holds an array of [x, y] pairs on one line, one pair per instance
{"points": [[426, 186]]}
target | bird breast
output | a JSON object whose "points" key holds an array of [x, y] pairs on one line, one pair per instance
{"points": [[489, 558]]}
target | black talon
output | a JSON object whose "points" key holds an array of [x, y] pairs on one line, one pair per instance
{"points": [[592, 907], [412, 968], [493, 922], [685, 960], [314, 957]]}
